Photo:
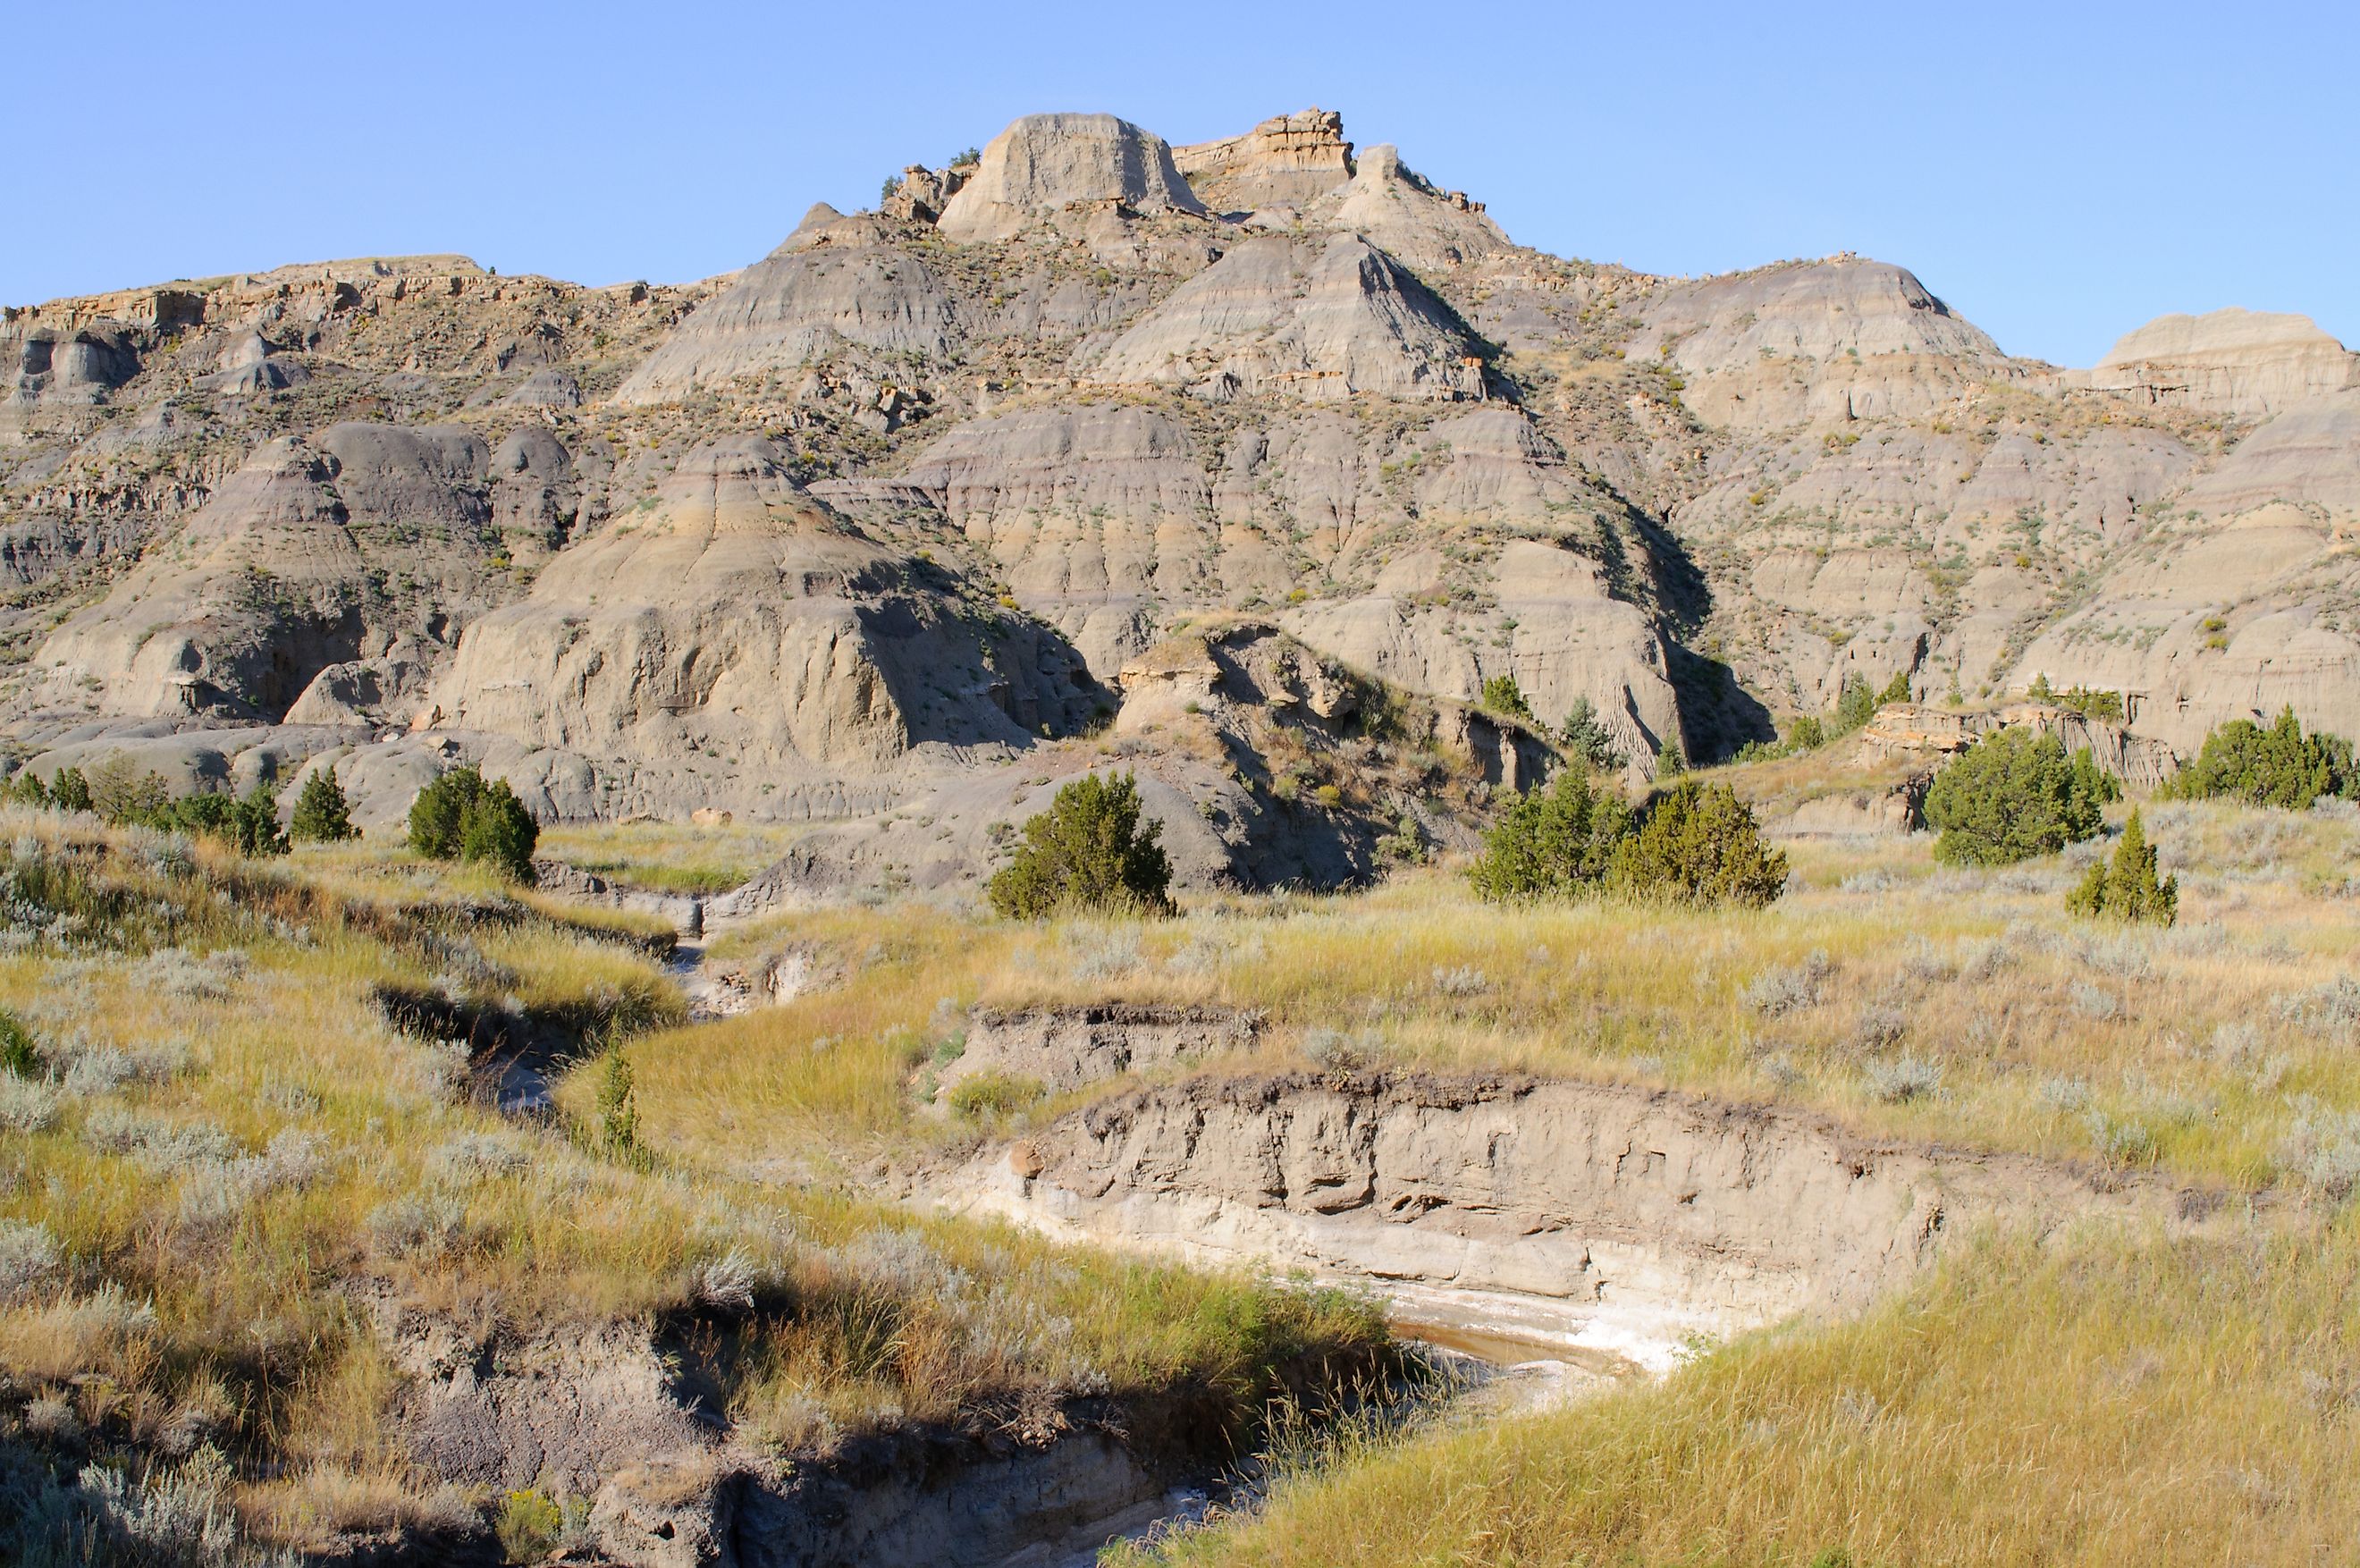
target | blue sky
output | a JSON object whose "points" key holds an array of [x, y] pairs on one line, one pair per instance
{"points": [[2060, 173]]}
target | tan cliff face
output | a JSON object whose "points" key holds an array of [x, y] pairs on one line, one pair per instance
{"points": [[1626, 1219], [1285, 161], [1045, 163], [926, 480], [733, 616], [2243, 363]]}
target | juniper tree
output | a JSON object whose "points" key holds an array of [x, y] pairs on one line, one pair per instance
{"points": [[322, 815], [2128, 888], [1088, 851]]}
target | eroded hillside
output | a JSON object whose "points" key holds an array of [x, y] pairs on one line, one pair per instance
{"points": [[907, 495]]}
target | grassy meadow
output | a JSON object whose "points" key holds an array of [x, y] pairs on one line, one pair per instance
{"points": [[2094, 1398], [1908, 998], [224, 1171]]}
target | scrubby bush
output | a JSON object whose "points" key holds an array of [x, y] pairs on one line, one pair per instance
{"points": [[464, 816], [995, 1092], [118, 791], [1088, 851], [1501, 694], [1789, 988], [1588, 740], [2015, 794], [1553, 843], [2279, 767], [499, 832], [1670, 761], [618, 1112], [2105, 705], [322, 815], [253, 823], [69, 791], [1695, 843], [121, 791], [2128, 889], [1856, 706], [529, 1525], [1698, 843], [1903, 1078], [18, 1053]]}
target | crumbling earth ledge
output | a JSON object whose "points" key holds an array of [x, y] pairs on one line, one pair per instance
{"points": [[1607, 1216]]}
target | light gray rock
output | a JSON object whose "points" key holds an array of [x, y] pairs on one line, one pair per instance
{"points": [[842, 285], [1611, 1215], [546, 389], [1088, 514], [1065, 1048], [65, 368], [1817, 341], [736, 618], [1319, 321], [2308, 455], [1045, 163], [1289, 160], [1432, 229], [250, 366], [188, 632], [2247, 363]]}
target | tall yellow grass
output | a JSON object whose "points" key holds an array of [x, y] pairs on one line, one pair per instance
{"points": [[2101, 1400]]}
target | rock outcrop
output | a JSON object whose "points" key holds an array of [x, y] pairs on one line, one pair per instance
{"points": [[68, 366], [733, 615], [2249, 364], [843, 284], [1090, 515], [1045, 163], [1315, 321], [1065, 1048], [1915, 731], [1244, 744], [280, 577], [1289, 160], [1835, 340], [1620, 1218], [1408, 216], [1067, 405]]}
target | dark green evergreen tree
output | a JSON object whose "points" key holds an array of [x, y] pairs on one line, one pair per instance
{"points": [[2014, 794], [1088, 851], [1553, 843], [1698, 843], [2128, 888], [322, 815]]}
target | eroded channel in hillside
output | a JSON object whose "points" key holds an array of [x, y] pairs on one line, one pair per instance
{"points": [[1607, 1218]]}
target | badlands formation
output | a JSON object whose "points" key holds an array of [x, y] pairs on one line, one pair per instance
{"points": [[931, 489]]}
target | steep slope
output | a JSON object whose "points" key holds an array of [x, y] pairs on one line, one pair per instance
{"points": [[1044, 405], [1840, 339], [846, 283], [732, 617], [2245, 363], [1288, 160], [1045, 163], [1320, 321], [1269, 767], [289, 570]]}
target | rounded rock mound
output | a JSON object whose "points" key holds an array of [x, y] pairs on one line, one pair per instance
{"points": [[1045, 163]]}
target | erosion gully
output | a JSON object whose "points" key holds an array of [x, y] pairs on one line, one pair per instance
{"points": [[1535, 1240]]}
